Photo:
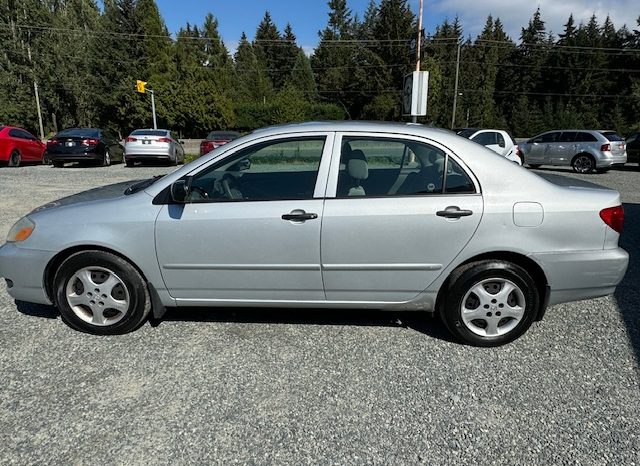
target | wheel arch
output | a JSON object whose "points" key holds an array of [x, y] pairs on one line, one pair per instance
{"points": [[588, 154], [521, 260], [57, 260]]}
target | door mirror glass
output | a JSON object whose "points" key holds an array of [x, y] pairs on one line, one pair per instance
{"points": [[180, 190]]}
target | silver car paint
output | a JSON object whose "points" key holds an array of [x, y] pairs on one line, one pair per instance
{"points": [[148, 147], [576, 250], [563, 153]]}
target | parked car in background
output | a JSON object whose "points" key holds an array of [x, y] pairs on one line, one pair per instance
{"points": [[633, 148], [499, 141], [328, 215], [583, 150], [216, 139], [84, 145], [19, 146], [149, 145]]}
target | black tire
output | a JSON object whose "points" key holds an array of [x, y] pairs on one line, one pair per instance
{"points": [[129, 163], [482, 273], [106, 160], [57, 163], [535, 165], [583, 163], [131, 287], [15, 159], [45, 159]]}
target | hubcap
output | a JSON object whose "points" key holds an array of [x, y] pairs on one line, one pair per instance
{"points": [[97, 296], [583, 164], [493, 307]]}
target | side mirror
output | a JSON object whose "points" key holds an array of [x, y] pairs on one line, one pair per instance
{"points": [[501, 144], [180, 190], [181, 143]]}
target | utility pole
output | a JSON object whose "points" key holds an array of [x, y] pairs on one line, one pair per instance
{"points": [[414, 119], [153, 108], [455, 92], [35, 90]]}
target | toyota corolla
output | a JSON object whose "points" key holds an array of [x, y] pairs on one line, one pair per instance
{"points": [[326, 215]]}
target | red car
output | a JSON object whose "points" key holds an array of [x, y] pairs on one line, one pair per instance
{"points": [[217, 139], [18, 145]]}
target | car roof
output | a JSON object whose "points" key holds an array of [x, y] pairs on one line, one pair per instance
{"points": [[359, 126]]}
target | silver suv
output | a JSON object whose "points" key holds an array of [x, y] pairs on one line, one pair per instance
{"points": [[584, 150]]}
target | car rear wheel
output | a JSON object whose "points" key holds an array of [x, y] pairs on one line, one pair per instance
{"points": [[583, 163], [15, 159], [490, 303], [101, 293]]}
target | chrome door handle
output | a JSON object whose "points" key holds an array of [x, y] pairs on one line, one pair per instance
{"points": [[299, 216], [454, 212]]}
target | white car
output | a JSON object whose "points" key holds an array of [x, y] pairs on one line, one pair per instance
{"points": [[153, 145], [498, 140]]}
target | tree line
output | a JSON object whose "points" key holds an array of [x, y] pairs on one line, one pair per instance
{"points": [[85, 60]]}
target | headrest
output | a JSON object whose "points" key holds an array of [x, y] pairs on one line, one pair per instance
{"points": [[357, 154], [358, 169]]}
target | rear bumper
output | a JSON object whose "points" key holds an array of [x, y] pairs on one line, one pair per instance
{"points": [[146, 152], [611, 160], [83, 156], [573, 276], [23, 270]]}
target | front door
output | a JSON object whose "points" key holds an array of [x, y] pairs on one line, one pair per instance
{"points": [[388, 234], [250, 230]]}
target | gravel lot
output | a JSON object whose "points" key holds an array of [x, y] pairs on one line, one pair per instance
{"points": [[302, 387]]}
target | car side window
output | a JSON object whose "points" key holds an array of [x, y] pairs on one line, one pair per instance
{"points": [[457, 181], [273, 170], [501, 141], [16, 133], [549, 137], [567, 136], [586, 137]]}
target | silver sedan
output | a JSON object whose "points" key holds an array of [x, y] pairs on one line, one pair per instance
{"points": [[152, 145], [326, 215]]}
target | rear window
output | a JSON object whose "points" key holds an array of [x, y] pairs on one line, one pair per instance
{"points": [[222, 136], [611, 136], [149, 132], [568, 136], [79, 133], [586, 137]]}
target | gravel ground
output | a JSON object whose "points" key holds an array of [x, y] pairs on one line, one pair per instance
{"points": [[305, 387]]}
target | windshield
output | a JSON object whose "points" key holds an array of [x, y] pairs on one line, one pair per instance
{"points": [[79, 133], [222, 136], [144, 184], [149, 132], [611, 136], [467, 133]]}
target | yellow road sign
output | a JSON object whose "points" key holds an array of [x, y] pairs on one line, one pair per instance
{"points": [[141, 86]]}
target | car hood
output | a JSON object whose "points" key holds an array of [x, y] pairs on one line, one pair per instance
{"points": [[111, 191]]}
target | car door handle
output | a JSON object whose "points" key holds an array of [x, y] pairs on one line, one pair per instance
{"points": [[454, 212], [299, 216]]}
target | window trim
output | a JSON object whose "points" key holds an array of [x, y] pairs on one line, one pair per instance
{"points": [[321, 177], [332, 181]]}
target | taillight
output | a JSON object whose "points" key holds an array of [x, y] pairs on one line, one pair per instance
{"points": [[130, 139], [206, 146], [518, 151], [164, 140], [52, 142], [614, 217], [90, 142], [605, 147]]}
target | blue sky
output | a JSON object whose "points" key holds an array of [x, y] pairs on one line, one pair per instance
{"points": [[309, 16]]}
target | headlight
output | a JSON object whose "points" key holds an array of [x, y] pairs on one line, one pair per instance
{"points": [[21, 230]]}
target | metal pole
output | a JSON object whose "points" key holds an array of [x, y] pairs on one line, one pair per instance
{"points": [[414, 119], [153, 109], [35, 88], [455, 92]]}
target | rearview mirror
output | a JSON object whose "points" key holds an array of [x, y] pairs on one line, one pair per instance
{"points": [[180, 190]]}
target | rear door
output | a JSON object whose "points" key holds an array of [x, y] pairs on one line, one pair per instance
{"points": [[386, 239]]}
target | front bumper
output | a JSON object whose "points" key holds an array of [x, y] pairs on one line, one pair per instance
{"points": [[23, 269], [572, 276]]}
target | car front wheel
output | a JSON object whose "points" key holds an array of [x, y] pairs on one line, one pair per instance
{"points": [[101, 293], [490, 303]]}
